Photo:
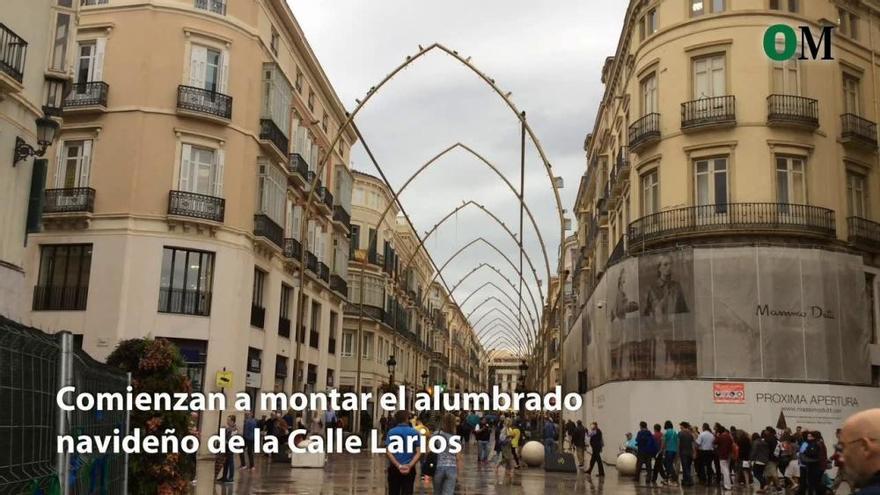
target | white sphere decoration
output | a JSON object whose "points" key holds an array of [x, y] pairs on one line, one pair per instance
{"points": [[626, 464], [533, 453]]}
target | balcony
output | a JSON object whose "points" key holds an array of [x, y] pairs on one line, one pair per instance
{"points": [[266, 228], [258, 316], [731, 218], [70, 207], [864, 233], [354, 308], [331, 347], [298, 168], [618, 253], [341, 217], [324, 272], [792, 111], [87, 97], [323, 199], [204, 103], [858, 131], [311, 262], [716, 111], [339, 285], [51, 298], [292, 249], [284, 327], [273, 139], [620, 172], [644, 132], [314, 338], [13, 52], [194, 205]]}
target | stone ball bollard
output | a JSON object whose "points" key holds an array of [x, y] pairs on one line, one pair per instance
{"points": [[533, 453], [626, 464]]}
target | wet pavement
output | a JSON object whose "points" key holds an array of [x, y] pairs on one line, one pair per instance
{"points": [[365, 474]]}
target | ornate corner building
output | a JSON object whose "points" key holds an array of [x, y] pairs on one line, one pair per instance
{"points": [[727, 253]]}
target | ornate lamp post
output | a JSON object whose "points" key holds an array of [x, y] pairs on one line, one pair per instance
{"points": [[425, 379], [46, 131], [391, 363]]}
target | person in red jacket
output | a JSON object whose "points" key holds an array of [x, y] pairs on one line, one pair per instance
{"points": [[724, 451]]}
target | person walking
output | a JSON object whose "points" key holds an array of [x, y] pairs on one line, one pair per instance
{"points": [[771, 470], [228, 474], [515, 440], [448, 464], [550, 434], [401, 472], [503, 440], [646, 448], [724, 451], [579, 441], [705, 455], [659, 468], [759, 456], [248, 429], [596, 445], [686, 449], [483, 433], [670, 451], [814, 464]]}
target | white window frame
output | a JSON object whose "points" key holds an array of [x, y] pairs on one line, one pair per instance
{"points": [[856, 194], [273, 191], [81, 162], [650, 184], [347, 347], [187, 173], [198, 67], [791, 177], [649, 91]]}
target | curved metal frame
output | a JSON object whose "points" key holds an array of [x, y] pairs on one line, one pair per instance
{"points": [[509, 282]]}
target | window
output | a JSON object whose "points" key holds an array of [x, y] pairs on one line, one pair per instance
{"points": [[334, 320], [299, 80], [856, 194], [59, 45], [355, 239], [848, 23], [273, 192], [63, 282], [215, 6], [651, 22], [331, 377], [273, 43], [786, 76], [315, 328], [851, 94], [790, 180], [259, 286], [209, 68], [324, 121], [347, 344], [73, 163], [185, 282], [650, 193], [286, 295], [789, 5], [311, 101], [367, 347], [710, 181], [649, 94], [90, 61], [709, 79], [700, 7], [280, 372], [201, 170]]}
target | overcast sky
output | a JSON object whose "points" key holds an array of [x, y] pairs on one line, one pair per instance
{"points": [[549, 54]]}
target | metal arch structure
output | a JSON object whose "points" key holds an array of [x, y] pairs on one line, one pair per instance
{"points": [[350, 121], [502, 339], [499, 333], [506, 320], [498, 272], [510, 314], [531, 316], [494, 323], [492, 284]]}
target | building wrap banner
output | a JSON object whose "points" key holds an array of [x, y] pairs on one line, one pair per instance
{"points": [[747, 312]]}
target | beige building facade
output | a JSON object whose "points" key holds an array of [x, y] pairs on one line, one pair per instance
{"points": [[728, 219], [175, 197], [401, 311], [36, 49]]}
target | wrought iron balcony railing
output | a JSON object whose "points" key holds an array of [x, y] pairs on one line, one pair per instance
{"points": [[52, 298], [88, 94], [864, 232], [324, 272], [69, 200], [745, 218], [284, 326], [215, 6], [858, 130], [258, 316], [298, 165], [269, 131], [792, 110], [266, 227], [327, 198], [339, 285], [13, 52], [202, 206], [311, 262], [204, 101], [341, 216], [644, 131], [710, 111], [184, 301], [292, 248], [618, 253]]}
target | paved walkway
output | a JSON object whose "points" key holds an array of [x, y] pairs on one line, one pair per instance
{"points": [[365, 474]]}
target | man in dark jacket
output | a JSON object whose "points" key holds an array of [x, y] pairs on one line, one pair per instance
{"points": [[647, 449], [596, 445], [579, 441], [860, 440]]}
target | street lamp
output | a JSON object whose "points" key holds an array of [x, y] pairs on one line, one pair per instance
{"points": [[523, 368], [425, 379], [46, 130], [391, 363]]}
